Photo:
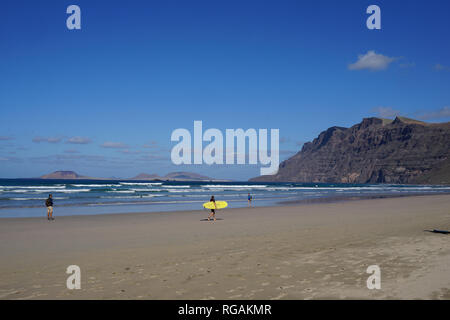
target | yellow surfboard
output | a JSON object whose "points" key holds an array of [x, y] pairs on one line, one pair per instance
{"points": [[219, 205]]}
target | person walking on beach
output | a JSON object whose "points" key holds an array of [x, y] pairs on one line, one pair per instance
{"points": [[249, 200], [213, 211], [49, 205]]}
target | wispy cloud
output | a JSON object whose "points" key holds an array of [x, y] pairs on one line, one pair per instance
{"points": [[442, 113], [13, 159], [114, 145], [385, 112], [49, 139], [128, 151], [68, 158], [371, 61], [151, 145], [71, 151], [5, 138], [152, 157], [284, 140], [78, 140], [441, 67], [407, 65]]}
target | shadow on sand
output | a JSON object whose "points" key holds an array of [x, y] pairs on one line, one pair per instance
{"points": [[438, 231]]}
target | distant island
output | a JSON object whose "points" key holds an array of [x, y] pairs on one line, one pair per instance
{"points": [[64, 175], [399, 151], [173, 176]]}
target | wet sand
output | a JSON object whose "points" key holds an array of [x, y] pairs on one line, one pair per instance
{"points": [[310, 251]]}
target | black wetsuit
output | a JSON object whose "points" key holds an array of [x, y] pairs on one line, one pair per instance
{"points": [[49, 202]]}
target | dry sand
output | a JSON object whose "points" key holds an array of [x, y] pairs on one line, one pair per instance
{"points": [[314, 251]]}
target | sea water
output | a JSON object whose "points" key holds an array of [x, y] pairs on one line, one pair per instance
{"points": [[26, 197]]}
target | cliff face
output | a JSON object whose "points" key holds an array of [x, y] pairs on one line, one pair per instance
{"points": [[373, 151]]}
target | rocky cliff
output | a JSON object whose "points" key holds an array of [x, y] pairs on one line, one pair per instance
{"points": [[403, 150]]}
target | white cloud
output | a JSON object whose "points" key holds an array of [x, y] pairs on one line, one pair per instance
{"points": [[128, 151], [78, 140], [49, 139], [284, 140], [386, 112], [441, 67], [151, 145], [371, 61], [436, 114], [114, 145]]}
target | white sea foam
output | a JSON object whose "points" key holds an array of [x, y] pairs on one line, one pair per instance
{"points": [[51, 191], [148, 189], [33, 187], [168, 186], [95, 185], [54, 198], [121, 191], [214, 186], [141, 183], [132, 197]]}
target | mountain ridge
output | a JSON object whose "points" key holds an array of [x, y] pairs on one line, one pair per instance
{"points": [[175, 176], [403, 151], [172, 176]]}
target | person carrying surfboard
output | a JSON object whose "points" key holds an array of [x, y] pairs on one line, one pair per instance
{"points": [[213, 211]]}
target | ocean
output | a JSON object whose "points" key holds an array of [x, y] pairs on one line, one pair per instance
{"points": [[26, 197]]}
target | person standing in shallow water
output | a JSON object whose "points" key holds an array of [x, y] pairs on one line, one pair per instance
{"points": [[213, 211], [249, 200], [49, 205]]}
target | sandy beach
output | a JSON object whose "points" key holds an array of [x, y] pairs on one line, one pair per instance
{"points": [[311, 251]]}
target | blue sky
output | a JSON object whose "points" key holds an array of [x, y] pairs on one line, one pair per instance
{"points": [[104, 100]]}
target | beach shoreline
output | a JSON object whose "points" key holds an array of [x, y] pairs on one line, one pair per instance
{"points": [[83, 197], [281, 203], [314, 251]]}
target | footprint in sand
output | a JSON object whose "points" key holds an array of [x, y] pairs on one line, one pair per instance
{"points": [[280, 296], [327, 277], [180, 292]]}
